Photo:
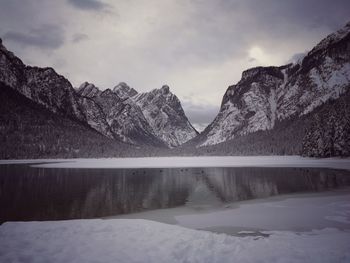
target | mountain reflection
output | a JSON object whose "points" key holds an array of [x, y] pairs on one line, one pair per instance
{"points": [[52, 194]]}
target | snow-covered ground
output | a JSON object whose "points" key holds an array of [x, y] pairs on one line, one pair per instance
{"points": [[168, 162], [121, 240]]}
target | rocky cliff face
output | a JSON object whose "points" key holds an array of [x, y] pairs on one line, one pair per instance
{"points": [[42, 85], [124, 91], [154, 117], [265, 95], [95, 116], [164, 113], [51, 90], [120, 113]]}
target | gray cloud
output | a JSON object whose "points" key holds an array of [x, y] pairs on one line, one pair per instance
{"points": [[296, 57], [78, 37], [251, 59], [200, 115], [46, 37], [93, 5], [275, 15]]}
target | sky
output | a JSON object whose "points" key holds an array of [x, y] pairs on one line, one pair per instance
{"points": [[197, 47]]}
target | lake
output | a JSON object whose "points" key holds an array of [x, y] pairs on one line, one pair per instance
{"points": [[29, 193]]}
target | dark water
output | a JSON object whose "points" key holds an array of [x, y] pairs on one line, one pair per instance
{"points": [[52, 194]]}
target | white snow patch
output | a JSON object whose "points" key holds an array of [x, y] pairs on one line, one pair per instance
{"points": [[273, 107], [227, 122], [121, 241], [330, 83]]}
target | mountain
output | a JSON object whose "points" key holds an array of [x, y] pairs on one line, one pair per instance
{"points": [[42, 85], [124, 118], [51, 90], [164, 113], [299, 108], [112, 113], [30, 130], [266, 96], [154, 118], [124, 91], [324, 132]]}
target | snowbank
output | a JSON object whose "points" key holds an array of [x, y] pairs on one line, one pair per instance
{"points": [[169, 162], [121, 240]]}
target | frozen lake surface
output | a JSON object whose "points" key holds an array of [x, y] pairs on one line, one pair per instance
{"points": [[203, 161], [35, 193], [264, 209]]}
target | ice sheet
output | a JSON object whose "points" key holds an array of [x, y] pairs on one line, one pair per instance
{"points": [[167, 162]]}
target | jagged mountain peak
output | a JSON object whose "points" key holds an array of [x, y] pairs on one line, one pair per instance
{"points": [[124, 91], [164, 112], [41, 85], [122, 116], [165, 89], [89, 90], [114, 113], [108, 92], [155, 117]]}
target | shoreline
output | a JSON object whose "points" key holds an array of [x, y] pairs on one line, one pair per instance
{"points": [[188, 162]]}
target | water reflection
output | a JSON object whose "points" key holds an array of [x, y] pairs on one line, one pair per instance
{"points": [[52, 194]]}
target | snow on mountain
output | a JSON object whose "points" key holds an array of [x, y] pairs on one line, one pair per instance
{"points": [[42, 85], [123, 117], [154, 117], [164, 113], [248, 106], [45, 87], [265, 95]]}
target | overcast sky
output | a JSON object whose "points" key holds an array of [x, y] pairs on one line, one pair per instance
{"points": [[197, 47]]}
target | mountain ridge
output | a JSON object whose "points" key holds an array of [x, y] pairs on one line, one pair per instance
{"points": [[113, 113], [265, 95], [158, 114]]}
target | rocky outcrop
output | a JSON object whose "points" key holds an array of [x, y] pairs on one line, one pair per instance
{"points": [[164, 113]]}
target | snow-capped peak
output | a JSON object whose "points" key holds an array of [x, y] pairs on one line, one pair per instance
{"points": [[164, 113]]}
